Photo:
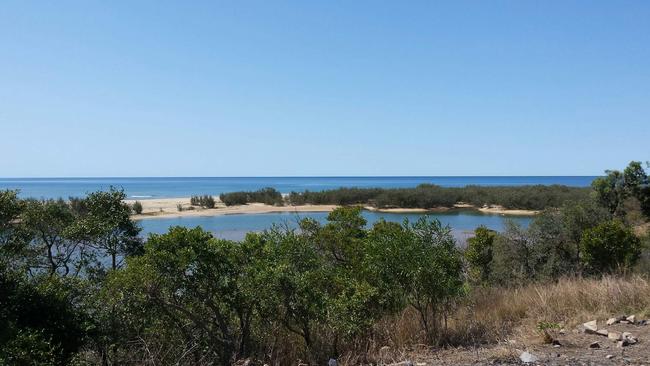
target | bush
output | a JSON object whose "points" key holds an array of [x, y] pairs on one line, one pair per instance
{"points": [[205, 201], [610, 246], [269, 196], [137, 207], [479, 254]]}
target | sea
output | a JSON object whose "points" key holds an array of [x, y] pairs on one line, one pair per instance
{"points": [[235, 227], [143, 188]]}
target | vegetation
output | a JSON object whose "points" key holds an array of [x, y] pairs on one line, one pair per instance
{"points": [[269, 196], [137, 207], [79, 286], [205, 201], [428, 196]]}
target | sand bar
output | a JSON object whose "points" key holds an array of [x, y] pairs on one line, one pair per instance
{"points": [[168, 207]]}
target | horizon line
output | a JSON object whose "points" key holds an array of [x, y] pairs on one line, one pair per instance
{"points": [[311, 176]]}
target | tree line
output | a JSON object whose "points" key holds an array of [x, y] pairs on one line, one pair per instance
{"points": [[427, 196]]}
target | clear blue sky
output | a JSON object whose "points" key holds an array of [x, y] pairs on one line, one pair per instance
{"points": [[264, 88]]}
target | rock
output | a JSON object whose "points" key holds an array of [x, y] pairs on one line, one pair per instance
{"points": [[614, 336], [594, 345], [624, 322], [612, 321], [527, 357], [562, 331], [556, 343], [622, 343], [602, 332], [331, 362], [609, 357], [629, 338], [631, 319], [591, 327]]}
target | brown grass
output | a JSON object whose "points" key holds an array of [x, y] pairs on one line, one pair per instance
{"points": [[494, 316]]}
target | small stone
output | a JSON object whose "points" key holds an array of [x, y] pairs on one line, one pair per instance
{"points": [[556, 343], [631, 319], [526, 357], [594, 345], [614, 336], [591, 327], [612, 321], [331, 362], [622, 343], [629, 337], [624, 322], [562, 331], [602, 332], [609, 357]]}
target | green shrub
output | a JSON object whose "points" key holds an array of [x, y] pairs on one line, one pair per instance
{"points": [[205, 201], [137, 207], [610, 246], [479, 254], [269, 196]]}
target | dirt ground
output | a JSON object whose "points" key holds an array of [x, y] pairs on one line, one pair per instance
{"points": [[574, 349]]}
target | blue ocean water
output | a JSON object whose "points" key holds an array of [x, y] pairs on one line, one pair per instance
{"points": [[143, 188], [235, 227]]}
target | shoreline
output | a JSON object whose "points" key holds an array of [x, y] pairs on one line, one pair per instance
{"points": [[168, 208]]}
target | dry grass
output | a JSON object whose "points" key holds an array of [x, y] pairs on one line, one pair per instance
{"points": [[493, 316]]}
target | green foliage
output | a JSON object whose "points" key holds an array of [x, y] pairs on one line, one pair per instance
{"points": [[614, 189], [39, 322], [479, 254], [549, 248], [137, 207], [610, 246], [431, 196], [269, 196], [107, 228], [205, 201], [188, 277]]}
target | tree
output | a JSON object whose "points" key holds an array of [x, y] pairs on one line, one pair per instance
{"points": [[48, 220], [610, 246], [479, 254], [191, 287], [39, 322], [432, 272], [107, 228], [14, 238], [616, 187]]}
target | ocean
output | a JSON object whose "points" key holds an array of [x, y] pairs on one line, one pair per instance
{"points": [[143, 188]]}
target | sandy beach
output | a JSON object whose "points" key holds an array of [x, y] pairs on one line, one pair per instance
{"points": [[168, 207]]}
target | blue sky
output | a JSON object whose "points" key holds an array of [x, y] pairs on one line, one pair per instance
{"points": [[276, 88]]}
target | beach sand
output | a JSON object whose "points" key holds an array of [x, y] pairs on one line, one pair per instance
{"points": [[168, 207]]}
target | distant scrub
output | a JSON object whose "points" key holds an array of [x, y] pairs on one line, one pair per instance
{"points": [[205, 201], [535, 197], [269, 196], [137, 207]]}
